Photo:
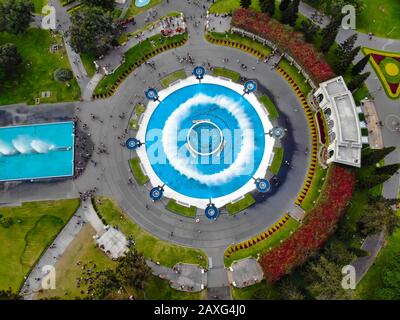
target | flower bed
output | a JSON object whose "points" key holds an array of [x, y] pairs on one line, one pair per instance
{"points": [[321, 127], [292, 42], [317, 227]]}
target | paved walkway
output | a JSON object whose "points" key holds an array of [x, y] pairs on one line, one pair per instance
{"points": [[245, 272], [182, 277]]}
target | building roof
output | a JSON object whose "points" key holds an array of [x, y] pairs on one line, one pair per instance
{"points": [[343, 119]]}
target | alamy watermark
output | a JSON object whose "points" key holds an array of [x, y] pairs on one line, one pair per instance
{"points": [[49, 20]]}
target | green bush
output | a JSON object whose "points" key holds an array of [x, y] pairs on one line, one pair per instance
{"points": [[63, 75], [6, 222]]}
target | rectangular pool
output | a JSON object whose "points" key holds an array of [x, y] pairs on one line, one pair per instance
{"points": [[39, 151]]}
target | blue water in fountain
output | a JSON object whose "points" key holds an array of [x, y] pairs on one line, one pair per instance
{"points": [[196, 179], [141, 3], [36, 151]]}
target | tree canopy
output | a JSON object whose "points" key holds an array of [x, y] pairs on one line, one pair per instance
{"points": [[15, 15]]}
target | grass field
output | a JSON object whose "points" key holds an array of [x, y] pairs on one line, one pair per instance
{"points": [[35, 74], [249, 293], [296, 76], [264, 245], [182, 210], [180, 74], [240, 205], [227, 6], [88, 63], [243, 40], [137, 171], [315, 189], [83, 249], [35, 226], [226, 73], [153, 248], [139, 109], [270, 106], [277, 161]]}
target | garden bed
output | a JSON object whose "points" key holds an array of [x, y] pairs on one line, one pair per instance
{"points": [[180, 209], [240, 205], [137, 171]]}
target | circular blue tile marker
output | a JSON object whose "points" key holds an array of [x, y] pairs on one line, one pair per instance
{"points": [[156, 193], [277, 132], [199, 72], [152, 94], [212, 212], [250, 86], [132, 144], [263, 185]]}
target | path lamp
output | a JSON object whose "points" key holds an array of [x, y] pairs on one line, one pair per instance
{"points": [[199, 72], [133, 144], [156, 193], [212, 212], [262, 185], [152, 94], [249, 87]]}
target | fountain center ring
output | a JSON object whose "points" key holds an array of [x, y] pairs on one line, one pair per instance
{"points": [[205, 138]]}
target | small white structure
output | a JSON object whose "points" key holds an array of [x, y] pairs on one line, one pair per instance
{"points": [[337, 103], [113, 243], [120, 1]]}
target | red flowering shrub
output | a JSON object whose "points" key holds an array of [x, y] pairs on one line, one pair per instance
{"points": [[304, 53], [317, 227]]}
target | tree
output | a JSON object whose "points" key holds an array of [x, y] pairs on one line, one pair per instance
{"points": [[309, 30], [337, 252], [378, 217], [327, 280], [9, 59], [92, 31], [330, 32], [106, 4], [63, 75], [105, 285], [284, 4], [348, 44], [344, 60], [15, 15], [390, 287], [268, 6], [360, 65], [290, 15], [390, 169], [245, 3], [357, 81], [132, 270], [288, 291], [373, 156]]}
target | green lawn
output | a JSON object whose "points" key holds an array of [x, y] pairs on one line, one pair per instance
{"points": [[137, 172], [296, 76], [134, 55], [153, 248], [134, 10], [316, 186], [139, 109], [242, 40], [39, 4], [270, 106], [226, 73], [381, 18], [36, 224], [277, 161], [182, 210], [227, 6], [264, 245], [261, 290], [240, 205], [35, 75], [84, 249], [88, 63], [180, 74]]}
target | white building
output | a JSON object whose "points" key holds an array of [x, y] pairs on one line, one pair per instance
{"points": [[344, 131]]}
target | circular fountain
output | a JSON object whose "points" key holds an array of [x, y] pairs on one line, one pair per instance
{"points": [[205, 141]]}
